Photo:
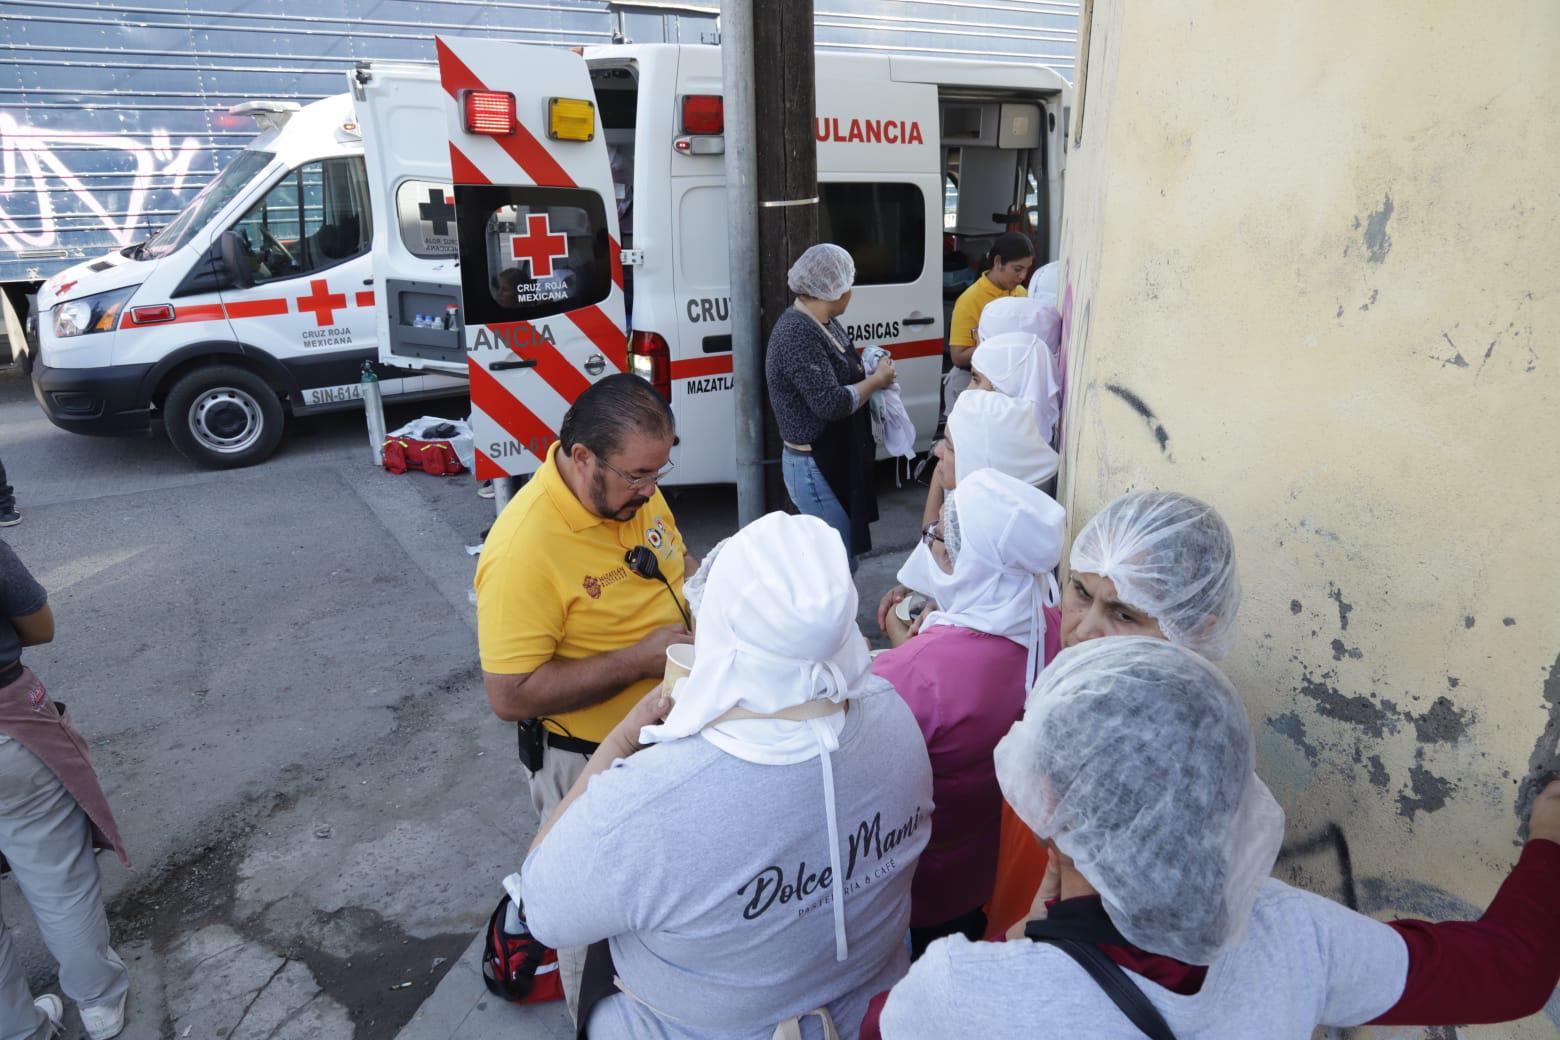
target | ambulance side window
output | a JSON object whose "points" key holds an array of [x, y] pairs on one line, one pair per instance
{"points": [[315, 217], [425, 212], [530, 252], [882, 226]]}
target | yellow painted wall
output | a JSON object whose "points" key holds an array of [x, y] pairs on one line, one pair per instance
{"points": [[1312, 257]]}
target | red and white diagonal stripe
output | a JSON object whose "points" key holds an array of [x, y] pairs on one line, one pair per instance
{"points": [[516, 413]]}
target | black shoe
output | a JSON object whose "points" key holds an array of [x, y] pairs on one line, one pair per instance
{"points": [[9, 518]]}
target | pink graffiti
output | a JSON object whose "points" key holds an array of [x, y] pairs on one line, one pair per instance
{"points": [[28, 159]]}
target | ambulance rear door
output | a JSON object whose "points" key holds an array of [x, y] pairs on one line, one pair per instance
{"points": [[537, 232], [416, 273], [880, 197]]}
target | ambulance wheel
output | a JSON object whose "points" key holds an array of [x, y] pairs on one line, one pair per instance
{"points": [[223, 417]]}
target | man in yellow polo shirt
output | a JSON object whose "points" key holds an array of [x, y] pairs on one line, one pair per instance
{"points": [[569, 635], [1008, 264]]}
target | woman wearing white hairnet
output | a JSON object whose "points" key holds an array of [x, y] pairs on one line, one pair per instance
{"points": [[818, 388], [988, 563], [985, 430], [1135, 763], [1018, 364], [749, 859], [1151, 563]]}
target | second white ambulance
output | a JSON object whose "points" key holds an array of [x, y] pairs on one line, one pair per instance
{"points": [[577, 190]]}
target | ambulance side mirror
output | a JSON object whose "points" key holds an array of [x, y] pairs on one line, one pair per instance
{"points": [[235, 257]]}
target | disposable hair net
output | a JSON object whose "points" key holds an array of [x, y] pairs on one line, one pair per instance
{"points": [[1135, 756], [824, 272], [949, 518], [1172, 557]]}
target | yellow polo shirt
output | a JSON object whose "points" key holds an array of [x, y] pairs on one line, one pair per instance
{"points": [[966, 312], [552, 583]]}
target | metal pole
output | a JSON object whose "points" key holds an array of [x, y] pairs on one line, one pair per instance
{"points": [[747, 348]]}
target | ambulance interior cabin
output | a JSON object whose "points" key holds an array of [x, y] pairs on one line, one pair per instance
{"points": [[617, 94], [994, 180]]}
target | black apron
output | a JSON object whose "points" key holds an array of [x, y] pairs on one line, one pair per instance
{"points": [[844, 451]]}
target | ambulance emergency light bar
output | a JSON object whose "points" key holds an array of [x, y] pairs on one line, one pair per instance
{"points": [[492, 112]]}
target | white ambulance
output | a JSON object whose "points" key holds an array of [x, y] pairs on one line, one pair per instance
{"points": [[499, 217]]}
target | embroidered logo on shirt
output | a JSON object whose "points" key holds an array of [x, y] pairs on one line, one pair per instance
{"points": [[659, 538], [593, 585]]}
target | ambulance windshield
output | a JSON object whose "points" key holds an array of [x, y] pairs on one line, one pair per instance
{"points": [[212, 198]]}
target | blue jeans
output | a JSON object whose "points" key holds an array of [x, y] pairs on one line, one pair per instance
{"points": [[805, 484]]}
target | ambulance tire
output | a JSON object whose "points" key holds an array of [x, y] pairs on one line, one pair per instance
{"points": [[223, 417]]}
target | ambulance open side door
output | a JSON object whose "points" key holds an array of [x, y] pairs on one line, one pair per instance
{"points": [[540, 271], [400, 108]]}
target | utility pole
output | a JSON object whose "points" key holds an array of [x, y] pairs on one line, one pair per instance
{"points": [[767, 60], [747, 341]]}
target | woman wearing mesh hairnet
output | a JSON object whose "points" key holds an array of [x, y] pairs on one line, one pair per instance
{"points": [[818, 388], [1135, 763], [1151, 563]]}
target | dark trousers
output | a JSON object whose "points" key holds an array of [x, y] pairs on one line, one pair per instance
{"points": [[7, 496], [971, 925]]}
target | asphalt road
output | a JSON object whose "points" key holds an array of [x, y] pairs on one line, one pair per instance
{"points": [[276, 669]]}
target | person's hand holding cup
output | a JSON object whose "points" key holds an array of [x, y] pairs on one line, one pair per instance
{"points": [[679, 663]]}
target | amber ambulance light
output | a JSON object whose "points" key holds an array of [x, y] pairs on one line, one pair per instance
{"points": [[570, 119], [703, 114], [488, 112]]}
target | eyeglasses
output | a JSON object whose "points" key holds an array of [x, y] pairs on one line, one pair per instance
{"points": [[635, 483], [932, 532]]}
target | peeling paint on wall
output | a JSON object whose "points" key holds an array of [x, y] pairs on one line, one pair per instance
{"points": [[1352, 362], [1377, 242]]}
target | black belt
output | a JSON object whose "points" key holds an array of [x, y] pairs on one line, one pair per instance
{"points": [[9, 673], [563, 743]]}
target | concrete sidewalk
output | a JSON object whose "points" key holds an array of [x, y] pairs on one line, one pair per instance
{"points": [[461, 1007]]}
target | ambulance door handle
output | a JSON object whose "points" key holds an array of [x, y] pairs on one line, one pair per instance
{"points": [[918, 321], [505, 366]]}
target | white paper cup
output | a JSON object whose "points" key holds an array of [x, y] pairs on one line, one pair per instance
{"points": [[679, 662]]}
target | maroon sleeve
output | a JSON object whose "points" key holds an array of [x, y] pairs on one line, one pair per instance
{"points": [[1503, 966], [870, 1030]]}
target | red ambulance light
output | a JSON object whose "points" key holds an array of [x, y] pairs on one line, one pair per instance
{"points": [[489, 112], [155, 314], [650, 359], [703, 114]]}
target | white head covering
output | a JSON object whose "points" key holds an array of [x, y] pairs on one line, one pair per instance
{"points": [[1135, 756], [693, 587], [1170, 556], [1019, 365], [1047, 281], [999, 432], [777, 632], [824, 272], [1035, 315], [1006, 539]]}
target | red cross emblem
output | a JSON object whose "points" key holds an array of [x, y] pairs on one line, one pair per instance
{"points": [[539, 247], [322, 302]]}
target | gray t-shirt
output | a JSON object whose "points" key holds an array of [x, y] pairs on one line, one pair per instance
{"points": [[710, 876], [20, 595], [1304, 962]]}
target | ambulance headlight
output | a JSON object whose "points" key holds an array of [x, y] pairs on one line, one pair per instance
{"points": [[98, 313]]}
